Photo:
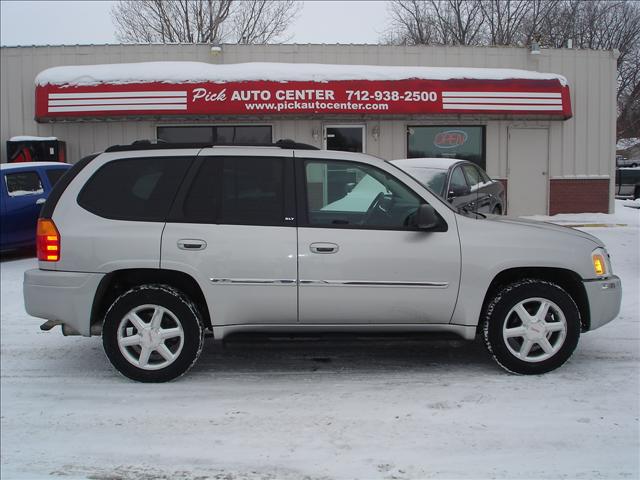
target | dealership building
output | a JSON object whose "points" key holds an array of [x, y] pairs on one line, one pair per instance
{"points": [[540, 121]]}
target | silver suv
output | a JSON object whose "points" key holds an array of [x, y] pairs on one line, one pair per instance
{"points": [[151, 246]]}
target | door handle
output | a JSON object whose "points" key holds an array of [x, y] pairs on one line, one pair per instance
{"points": [[40, 201], [191, 244], [324, 247]]}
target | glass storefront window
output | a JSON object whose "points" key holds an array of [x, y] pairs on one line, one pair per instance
{"points": [[217, 134], [451, 141]]}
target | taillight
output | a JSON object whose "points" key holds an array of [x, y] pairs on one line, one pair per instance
{"points": [[47, 241]]}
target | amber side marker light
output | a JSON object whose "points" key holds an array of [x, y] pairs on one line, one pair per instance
{"points": [[598, 264], [47, 241]]}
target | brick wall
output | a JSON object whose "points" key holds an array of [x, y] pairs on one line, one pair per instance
{"points": [[579, 196]]}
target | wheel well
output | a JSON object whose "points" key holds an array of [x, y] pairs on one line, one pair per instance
{"points": [[568, 280], [116, 283]]}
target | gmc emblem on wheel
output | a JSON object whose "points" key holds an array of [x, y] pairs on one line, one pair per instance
{"points": [[450, 139]]}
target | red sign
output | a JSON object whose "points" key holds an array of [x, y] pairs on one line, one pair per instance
{"points": [[450, 139], [261, 98]]}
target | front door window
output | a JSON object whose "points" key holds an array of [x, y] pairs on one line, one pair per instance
{"points": [[357, 195], [345, 138]]}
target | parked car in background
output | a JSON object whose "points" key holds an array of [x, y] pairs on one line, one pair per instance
{"points": [[25, 187], [627, 162], [628, 182], [463, 184]]}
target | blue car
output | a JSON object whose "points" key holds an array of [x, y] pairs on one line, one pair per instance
{"points": [[24, 188]]}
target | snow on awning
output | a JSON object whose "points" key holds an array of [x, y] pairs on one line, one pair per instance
{"points": [[31, 138], [261, 89]]}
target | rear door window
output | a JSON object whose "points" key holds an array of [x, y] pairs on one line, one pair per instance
{"points": [[134, 189], [240, 191], [23, 183], [252, 191]]}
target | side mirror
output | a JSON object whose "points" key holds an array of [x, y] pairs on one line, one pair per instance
{"points": [[458, 191], [426, 217]]}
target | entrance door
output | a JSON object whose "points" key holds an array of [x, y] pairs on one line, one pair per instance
{"points": [[346, 138], [528, 166]]}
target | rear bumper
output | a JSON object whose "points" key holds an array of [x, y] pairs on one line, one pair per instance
{"points": [[605, 297], [63, 296]]}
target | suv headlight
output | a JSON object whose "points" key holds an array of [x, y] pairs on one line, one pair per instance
{"points": [[600, 262]]}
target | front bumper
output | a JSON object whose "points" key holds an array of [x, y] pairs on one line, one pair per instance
{"points": [[66, 297], [604, 297]]}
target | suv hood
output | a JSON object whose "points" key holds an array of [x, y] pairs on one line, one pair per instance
{"points": [[544, 226]]}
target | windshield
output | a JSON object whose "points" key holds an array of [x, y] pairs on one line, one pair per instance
{"points": [[433, 178]]}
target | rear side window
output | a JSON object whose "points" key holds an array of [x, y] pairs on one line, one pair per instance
{"points": [[237, 191], [23, 183], [134, 189], [55, 174]]}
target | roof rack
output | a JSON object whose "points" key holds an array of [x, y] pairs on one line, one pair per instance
{"points": [[161, 145]]}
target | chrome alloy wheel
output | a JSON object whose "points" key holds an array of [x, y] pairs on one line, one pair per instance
{"points": [[534, 330], [150, 337]]}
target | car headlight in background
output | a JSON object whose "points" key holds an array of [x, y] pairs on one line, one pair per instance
{"points": [[600, 261]]}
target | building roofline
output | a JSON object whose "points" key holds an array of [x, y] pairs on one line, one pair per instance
{"points": [[279, 45]]}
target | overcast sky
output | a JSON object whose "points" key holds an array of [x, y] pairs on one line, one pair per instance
{"points": [[79, 22]]}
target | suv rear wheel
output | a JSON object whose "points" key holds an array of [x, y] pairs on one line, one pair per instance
{"points": [[531, 327], [152, 333]]}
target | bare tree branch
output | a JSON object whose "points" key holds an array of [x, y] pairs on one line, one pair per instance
{"points": [[203, 21], [261, 21]]}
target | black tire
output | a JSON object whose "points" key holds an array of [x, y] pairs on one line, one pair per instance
{"points": [[176, 311], [530, 293], [497, 210], [636, 192]]}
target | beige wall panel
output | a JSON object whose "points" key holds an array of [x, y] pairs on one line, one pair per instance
{"points": [[494, 166], [555, 149], [300, 131], [579, 120]]}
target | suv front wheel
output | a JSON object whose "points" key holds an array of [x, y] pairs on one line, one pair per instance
{"points": [[531, 326], [152, 333]]}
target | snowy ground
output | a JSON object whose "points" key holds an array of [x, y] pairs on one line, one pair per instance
{"points": [[314, 409]]}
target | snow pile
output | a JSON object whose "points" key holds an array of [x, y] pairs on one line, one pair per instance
{"points": [[30, 138], [195, 72], [625, 143]]}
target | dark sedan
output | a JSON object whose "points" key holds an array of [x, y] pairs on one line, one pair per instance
{"points": [[463, 184]]}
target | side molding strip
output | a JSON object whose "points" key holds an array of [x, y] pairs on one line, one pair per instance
{"points": [[356, 283], [325, 283], [251, 281]]}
